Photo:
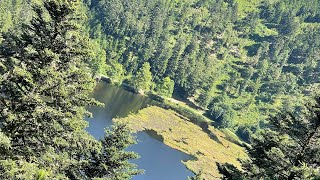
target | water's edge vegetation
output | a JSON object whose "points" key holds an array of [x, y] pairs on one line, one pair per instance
{"points": [[167, 117], [232, 79], [180, 133], [155, 156]]}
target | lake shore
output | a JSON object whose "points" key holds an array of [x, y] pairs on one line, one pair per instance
{"points": [[178, 106], [178, 132]]}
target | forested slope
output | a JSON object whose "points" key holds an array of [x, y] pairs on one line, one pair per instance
{"points": [[241, 60]]}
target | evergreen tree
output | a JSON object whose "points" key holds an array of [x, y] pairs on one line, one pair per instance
{"points": [[143, 78], [113, 160], [289, 149], [252, 51], [44, 91], [166, 87]]}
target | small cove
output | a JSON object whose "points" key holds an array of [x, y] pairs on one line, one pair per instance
{"points": [[157, 159]]}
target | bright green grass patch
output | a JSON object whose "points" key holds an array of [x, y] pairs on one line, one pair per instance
{"points": [[247, 6], [263, 30]]}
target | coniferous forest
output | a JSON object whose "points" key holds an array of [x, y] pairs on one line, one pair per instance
{"points": [[251, 67]]}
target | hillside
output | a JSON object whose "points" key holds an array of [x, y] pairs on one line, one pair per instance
{"points": [[241, 60], [248, 69]]}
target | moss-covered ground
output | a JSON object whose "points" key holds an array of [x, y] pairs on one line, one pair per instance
{"points": [[179, 133]]}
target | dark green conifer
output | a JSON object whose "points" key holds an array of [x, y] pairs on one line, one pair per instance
{"points": [[44, 91], [289, 149]]}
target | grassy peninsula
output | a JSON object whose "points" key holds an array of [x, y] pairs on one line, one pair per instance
{"points": [[179, 133]]}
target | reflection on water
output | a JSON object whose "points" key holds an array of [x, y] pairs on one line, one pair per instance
{"points": [[119, 102], [159, 161]]}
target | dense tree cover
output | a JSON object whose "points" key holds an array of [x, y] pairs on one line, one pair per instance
{"points": [[45, 83], [142, 80], [165, 87], [13, 13], [240, 64], [162, 34], [288, 149]]}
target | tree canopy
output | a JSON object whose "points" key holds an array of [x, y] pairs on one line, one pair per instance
{"points": [[239, 61], [45, 85], [288, 149], [242, 61]]}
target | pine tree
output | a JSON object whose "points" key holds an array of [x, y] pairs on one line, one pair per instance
{"points": [[143, 78], [44, 91], [113, 161], [289, 149], [165, 87]]}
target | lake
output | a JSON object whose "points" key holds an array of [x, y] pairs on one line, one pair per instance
{"points": [[159, 161]]}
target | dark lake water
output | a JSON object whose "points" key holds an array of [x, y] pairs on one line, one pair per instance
{"points": [[159, 161]]}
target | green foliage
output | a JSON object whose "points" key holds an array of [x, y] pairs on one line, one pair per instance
{"points": [[165, 87], [289, 149], [14, 13], [185, 111], [45, 88], [143, 78], [113, 161], [240, 60], [243, 58], [251, 56], [5, 142], [98, 63], [167, 36], [115, 71], [230, 172], [21, 169]]}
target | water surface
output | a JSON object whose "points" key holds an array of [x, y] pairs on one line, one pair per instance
{"points": [[159, 161]]}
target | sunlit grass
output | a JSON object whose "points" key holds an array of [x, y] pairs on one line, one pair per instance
{"points": [[189, 138]]}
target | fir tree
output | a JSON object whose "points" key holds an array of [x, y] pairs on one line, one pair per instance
{"points": [[289, 149], [143, 78], [44, 91]]}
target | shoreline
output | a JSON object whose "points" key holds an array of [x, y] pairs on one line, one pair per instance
{"points": [[181, 134]]}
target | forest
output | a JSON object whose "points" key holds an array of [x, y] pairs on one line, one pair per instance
{"points": [[240, 63], [252, 66]]}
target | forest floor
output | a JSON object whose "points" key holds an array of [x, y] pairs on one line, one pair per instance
{"points": [[181, 134]]}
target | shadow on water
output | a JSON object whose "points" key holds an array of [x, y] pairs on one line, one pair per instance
{"points": [[159, 161], [119, 102], [154, 135]]}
